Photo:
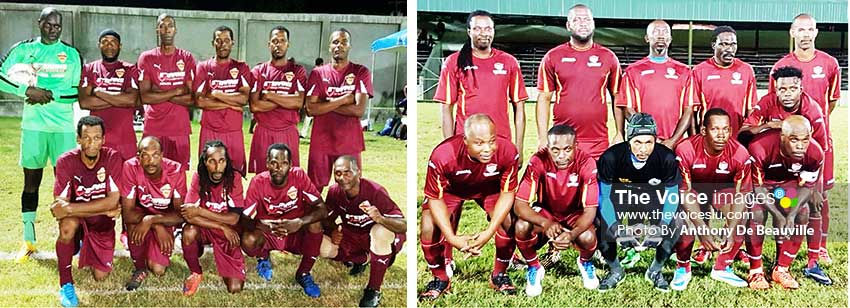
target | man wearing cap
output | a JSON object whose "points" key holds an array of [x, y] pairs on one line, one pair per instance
{"points": [[638, 179]]}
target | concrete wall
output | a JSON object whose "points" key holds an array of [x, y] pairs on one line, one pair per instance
{"points": [[309, 35]]}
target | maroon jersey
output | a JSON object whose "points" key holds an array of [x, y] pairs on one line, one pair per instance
{"points": [[770, 109], [334, 133], [78, 183], [732, 89], [488, 86], [578, 80], [153, 196], [294, 199], [166, 72], [657, 89], [451, 170], [561, 192], [353, 218], [821, 77], [115, 77], [729, 169], [770, 167], [226, 78], [219, 200], [287, 80]]}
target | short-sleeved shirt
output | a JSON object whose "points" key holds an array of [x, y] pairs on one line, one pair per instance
{"points": [[115, 77], [732, 89], [166, 72], [226, 78], [702, 171], [79, 183], [615, 167], [153, 196], [332, 132], [821, 78], [488, 86], [219, 200], [294, 199], [657, 89], [562, 192], [353, 218], [771, 167], [451, 170], [770, 109], [286, 80], [578, 80]]}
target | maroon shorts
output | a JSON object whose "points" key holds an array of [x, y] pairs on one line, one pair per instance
{"points": [[98, 236], [263, 138], [234, 141], [454, 204], [175, 148], [320, 166], [355, 246], [229, 262], [568, 221], [127, 148], [593, 147], [150, 247], [291, 243]]}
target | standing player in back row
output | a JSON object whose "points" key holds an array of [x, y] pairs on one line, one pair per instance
{"points": [[221, 90], [577, 73], [821, 81], [337, 96], [165, 86], [276, 97]]}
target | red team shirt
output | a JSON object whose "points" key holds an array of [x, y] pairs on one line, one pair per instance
{"points": [[217, 202], [657, 89], [770, 167], [353, 218], [153, 196], [488, 87], [770, 109], [228, 78], [452, 171], [732, 89], [821, 77], [114, 77], [334, 133], [730, 169], [167, 72], [286, 80], [293, 200], [563, 193], [579, 80], [78, 183]]}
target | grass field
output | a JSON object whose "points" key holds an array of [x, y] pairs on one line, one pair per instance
{"points": [[562, 285], [36, 282]]}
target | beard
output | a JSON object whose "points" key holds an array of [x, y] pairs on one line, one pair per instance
{"points": [[112, 59], [580, 39]]}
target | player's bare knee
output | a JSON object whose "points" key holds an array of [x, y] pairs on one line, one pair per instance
{"points": [[67, 229], [522, 229], [156, 269], [315, 227], [587, 238], [802, 218], [328, 250], [426, 227], [99, 275], [233, 285], [381, 240], [249, 240], [190, 233]]}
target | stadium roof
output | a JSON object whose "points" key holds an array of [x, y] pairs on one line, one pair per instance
{"points": [[825, 11]]}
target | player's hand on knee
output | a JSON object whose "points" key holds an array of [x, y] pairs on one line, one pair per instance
{"points": [[552, 229], [816, 203], [59, 209], [336, 236], [166, 242], [138, 233], [562, 241], [231, 236]]}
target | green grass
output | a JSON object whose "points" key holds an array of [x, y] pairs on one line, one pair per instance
{"points": [[562, 285], [36, 282]]}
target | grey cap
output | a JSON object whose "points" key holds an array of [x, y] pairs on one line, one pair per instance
{"points": [[640, 124]]}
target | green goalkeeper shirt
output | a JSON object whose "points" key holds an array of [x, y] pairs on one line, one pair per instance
{"points": [[58, 67]]}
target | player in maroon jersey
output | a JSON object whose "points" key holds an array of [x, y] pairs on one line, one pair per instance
{"points": [[557, 200], [211, 210], [85, 206], [221, 90], [165, 87], [575, 76], [152, 191], [276, 98], [478, 165], [372, 226]]}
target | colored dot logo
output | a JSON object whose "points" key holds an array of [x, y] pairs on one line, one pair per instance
{"points": [[787, 199]]}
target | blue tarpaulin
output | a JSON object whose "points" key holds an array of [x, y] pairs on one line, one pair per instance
{"points": [[393, 41]]}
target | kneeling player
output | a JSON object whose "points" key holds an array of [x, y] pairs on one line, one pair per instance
{"points": [[86, 204], [372, 225], [153, 188], [788, 165], [212, 209], [286, 210], [562, 180]]}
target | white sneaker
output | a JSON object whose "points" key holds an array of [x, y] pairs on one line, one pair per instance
{"points": [[534, 281], [588, 274], [729, 277], [681, 279]]}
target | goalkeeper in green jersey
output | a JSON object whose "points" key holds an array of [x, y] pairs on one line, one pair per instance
{"points": [[46, 71]]}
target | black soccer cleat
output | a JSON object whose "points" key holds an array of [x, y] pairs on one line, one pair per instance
{"points": [[371, 298], [357, 268], [611, 280], [136, 280], [434, 289], [502, 283]]}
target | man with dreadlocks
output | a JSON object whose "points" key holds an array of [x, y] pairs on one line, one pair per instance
{"points": [[212, 209]]}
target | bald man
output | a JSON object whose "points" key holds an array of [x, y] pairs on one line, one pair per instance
{"points": [[787, 166], [480, 166], [152, 188], [656, 85]]}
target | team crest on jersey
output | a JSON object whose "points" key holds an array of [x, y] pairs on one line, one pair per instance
{"points": [[654, 181], [166, 191], [593, 61], [234, 72], [292, 192], [349, 79], [62, 56], [736, 78], [671, 73], [490, 170], [101, 174], [817, 72], [499, 69], [722, 167], [573, 180], [181, 65], [795, 167], [119, 72], [289, 76]]}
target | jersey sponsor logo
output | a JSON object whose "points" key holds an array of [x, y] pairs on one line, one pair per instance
{"points": [[234, 72], [358, 220], [736, 78], [217, 207], [175, 78], [282, 207], [712, 77], [654, 181], [647, 72], [593, 61], [339, 91], [490, 170], [573, 180], [44, 69], [114, 84], [468, 67], [568, 59], [62, 56], [277, 86], [817, 72], [86, 194], [499, 69], [181, 65], [722, 168], [466, 171], [226, 85], [671, 73]]}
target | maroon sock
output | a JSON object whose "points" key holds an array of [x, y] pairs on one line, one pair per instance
{"points": [[824, 214], [138, 254], [789, 250], [526, 248], [64, 254], [813, 241], [684, 248], [311, 243], [377, 268], [586, 253], [192, 255], [754, 244], [505, 246], [725, 259], [433, 253]]}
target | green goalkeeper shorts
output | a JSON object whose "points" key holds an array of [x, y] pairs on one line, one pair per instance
{"points": [[37, 147]]}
